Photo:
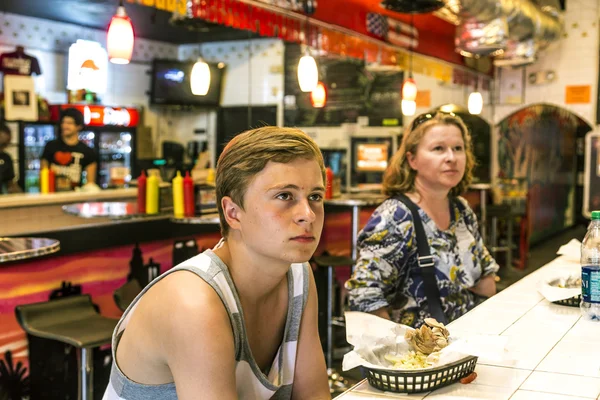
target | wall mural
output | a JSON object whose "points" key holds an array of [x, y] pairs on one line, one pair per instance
{"points": [[538, 144]]}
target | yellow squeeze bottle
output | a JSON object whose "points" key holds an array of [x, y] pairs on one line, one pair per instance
{"points": [[152, 195], [44, 181], [178, 205]]}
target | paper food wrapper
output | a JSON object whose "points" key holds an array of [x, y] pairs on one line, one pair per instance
{"points": [[552, 292], [374, 337], [571, 250]]}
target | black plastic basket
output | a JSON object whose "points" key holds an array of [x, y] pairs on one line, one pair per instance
{"points": [[571, 301], [403, 381]]}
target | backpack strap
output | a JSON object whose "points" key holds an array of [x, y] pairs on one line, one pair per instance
{"points": [[426, 263]]}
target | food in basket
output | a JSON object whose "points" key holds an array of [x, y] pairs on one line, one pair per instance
{"points": [[430, 337], [572, 282], [469, 378], [410, 360]]}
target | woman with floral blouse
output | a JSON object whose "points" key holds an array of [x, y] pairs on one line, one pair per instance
{"points": [[432, 167]]}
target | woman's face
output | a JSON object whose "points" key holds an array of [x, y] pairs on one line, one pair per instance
{"points": [[440, 158]]}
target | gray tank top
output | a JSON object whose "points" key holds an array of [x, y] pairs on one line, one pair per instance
{"points": [[252, 384]]}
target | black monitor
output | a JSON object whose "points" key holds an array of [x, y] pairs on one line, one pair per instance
{"points": [[171, 84]]}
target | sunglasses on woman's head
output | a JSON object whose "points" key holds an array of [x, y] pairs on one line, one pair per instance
{"points": [[426, 117]]}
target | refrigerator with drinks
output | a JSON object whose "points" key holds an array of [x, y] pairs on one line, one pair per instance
{"points": [[33, 136]]}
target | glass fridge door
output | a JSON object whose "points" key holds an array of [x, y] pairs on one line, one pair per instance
{"points": [[35, 137], [114, 151]]}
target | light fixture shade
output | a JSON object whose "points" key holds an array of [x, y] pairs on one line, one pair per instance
{"points": [[409, 90], [409, 107], [308, 74], [120, 38], [475, 103], [318, 97], [200, 78]]}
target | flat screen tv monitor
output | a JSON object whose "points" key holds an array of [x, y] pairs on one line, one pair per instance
{"points": [[171, 84], [372, 157]]}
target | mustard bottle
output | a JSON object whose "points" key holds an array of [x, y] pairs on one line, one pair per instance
{"points": [[152, 194], [44, 181], [178, 205]]}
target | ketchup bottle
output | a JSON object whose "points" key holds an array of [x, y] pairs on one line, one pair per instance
{"points": [[189, 204], [329, 183], [141, 193], [51, 181]]}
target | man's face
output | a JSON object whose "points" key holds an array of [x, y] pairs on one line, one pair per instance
{"points": [[4, 139], [283, 212], [68, 127]]}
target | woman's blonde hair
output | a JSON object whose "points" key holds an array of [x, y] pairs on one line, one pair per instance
{"points": [[249, 152], [399, 177]]}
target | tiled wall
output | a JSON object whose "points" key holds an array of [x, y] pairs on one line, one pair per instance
{"points": [[574, 59]]}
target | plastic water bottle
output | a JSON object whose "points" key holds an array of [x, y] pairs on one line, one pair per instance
{"points": [[590, 270]]}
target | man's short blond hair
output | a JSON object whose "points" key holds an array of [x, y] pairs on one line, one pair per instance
{"points": [[249, 152]]}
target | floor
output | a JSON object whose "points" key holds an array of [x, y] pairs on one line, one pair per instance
{"points": [[539, 255]]}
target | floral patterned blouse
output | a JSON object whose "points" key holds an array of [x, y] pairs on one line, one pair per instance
{"points": [[387, 271]]}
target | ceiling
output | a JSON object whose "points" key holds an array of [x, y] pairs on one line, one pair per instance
{"points": [[148, 22]]}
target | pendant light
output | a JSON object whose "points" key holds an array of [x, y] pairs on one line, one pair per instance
{"points": [[200, 78], [475, 102], [318, 97], [308, 73], [409, 87], [409, 107], [120, 37]]}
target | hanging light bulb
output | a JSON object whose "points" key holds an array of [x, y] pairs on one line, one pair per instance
{"points": [[318, 97], [409, 89], [200, 78], [409, 107], [120, 38], [308, 73], [475, 102]]}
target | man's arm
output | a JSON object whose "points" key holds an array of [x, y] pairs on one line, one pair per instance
{"points": [[310, 378], [198, 341], [90, 172]]}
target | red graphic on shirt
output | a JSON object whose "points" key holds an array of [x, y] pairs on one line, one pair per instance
{"points": [[63, 157]]}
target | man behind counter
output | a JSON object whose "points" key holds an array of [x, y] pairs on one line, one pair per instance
{"points": [[67, 156], [7, 172]]}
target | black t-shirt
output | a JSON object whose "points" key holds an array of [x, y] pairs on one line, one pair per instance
{"points": [[7, 172], [68, 162], [19, 63]]}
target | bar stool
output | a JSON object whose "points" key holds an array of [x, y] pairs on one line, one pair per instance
{"points": [[72, 321], [337, 383], [496, 213], [124, 295]]}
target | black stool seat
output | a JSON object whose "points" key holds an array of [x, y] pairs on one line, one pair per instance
{"points": [[124, 295], [333, 261], [72, 320]]}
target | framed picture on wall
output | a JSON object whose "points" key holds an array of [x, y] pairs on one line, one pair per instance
{"points": [[511, 86], [20, 101]]}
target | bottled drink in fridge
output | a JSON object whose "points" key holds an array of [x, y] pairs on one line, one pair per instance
{"points": [[590, 270]]}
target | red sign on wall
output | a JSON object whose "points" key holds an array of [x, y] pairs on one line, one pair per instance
{"points": [[97, 115]]}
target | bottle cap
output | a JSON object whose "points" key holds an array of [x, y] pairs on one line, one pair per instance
{"points": [[595, 215]]}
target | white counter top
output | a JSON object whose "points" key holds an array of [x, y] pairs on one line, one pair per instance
{"points": [[552, 353], [36, 199]]}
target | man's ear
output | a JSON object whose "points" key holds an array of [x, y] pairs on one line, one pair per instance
{"points": [[411, 160], [232, 212]]}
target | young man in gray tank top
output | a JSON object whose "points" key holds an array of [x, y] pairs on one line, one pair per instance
{"points": [[238, 321]]}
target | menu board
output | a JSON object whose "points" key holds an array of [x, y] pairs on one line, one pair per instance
{"points": [[352, 91]]}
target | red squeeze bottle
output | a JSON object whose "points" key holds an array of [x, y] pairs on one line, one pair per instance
{"points": [[189, 205], [51, 181], [329, 184], [141, 194]]}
